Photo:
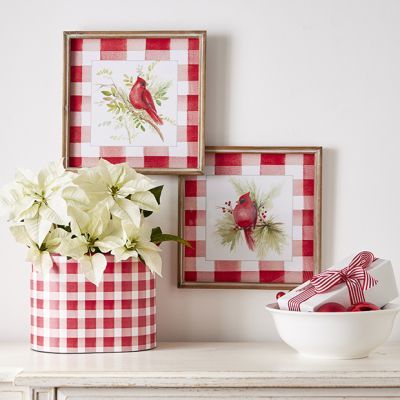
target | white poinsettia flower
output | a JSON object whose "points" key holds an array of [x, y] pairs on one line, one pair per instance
{"points": [[39, 255], [75, 196], [10, 195], [137, 243], [92, 231], [125, 191], [38, 198]]}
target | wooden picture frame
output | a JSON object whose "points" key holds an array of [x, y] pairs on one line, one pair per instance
{"points": [[135, 97], [283, 244]]}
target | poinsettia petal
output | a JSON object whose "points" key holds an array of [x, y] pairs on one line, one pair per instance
{"points": [[9, 196], [37, 229], [26, 178], [41, 260], [145, 201], [114, 228], [145, 232], [25, 207], [54, 239], [138, 185], [151, 257], [50, 173], [74, 195], [111, 173], [50, 215], [131, 231], [122, 253], [93, 266], [91, 182], [99, 219], [73, 247], [109, 243], [79, 220], [126, 209], [21, 235], [59, 206]]}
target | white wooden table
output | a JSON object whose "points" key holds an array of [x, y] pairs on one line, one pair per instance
{"points": [[196, 371]]}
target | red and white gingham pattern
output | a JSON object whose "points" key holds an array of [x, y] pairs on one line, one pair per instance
{"points": [[196, 268], [71, 315], [186, 154]]}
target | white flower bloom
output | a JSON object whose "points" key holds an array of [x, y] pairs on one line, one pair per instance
{"points": [[92, 230], [37, 198], [39, 255], [137, 243], [84, 216], [10, 195], [124, 190]]}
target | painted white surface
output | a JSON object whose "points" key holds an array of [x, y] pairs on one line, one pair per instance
{"points": [[279, 72], [205, 364], [199, 370]]}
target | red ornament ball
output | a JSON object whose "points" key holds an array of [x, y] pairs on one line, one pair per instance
{"points": [[363, 307], [279, 294], [331, 307]]}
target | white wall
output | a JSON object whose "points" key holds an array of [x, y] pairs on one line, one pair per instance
{"points": [[279, 72]]}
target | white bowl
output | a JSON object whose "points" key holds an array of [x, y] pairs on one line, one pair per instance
{"points": [[340, 335]]}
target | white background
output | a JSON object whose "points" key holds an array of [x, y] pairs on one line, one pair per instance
{"points": [[279, 72], [221, 189]]}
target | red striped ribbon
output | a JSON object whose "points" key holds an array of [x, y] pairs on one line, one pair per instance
{"points": [[355, 276]]}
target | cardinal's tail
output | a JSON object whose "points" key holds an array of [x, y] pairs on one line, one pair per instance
{"points": [[154, 117], [248, 235]]}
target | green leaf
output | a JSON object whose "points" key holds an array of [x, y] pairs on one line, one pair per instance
{"points": [[158, 237], [157, 194], [158, 102], [156, 231], [106, 93], [142, 128]]}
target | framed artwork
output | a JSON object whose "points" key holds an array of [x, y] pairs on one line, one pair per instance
{"points": [[135, 97], [253, 220]]}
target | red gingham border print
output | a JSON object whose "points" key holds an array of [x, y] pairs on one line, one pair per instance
{"points": [[197, 269], [71, 315], [186, 51]]}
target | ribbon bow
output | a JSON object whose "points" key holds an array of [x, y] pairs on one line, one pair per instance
{"points": [[355, 276]]}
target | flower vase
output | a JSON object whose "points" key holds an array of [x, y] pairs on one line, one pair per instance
{"points": [[72, 315]]}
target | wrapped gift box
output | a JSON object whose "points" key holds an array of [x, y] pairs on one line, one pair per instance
{"points": [[384, 291]]}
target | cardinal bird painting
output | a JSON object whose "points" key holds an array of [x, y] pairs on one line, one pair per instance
{"points": [[249, 226], [245, 216], [134, 102], [141, 99]]}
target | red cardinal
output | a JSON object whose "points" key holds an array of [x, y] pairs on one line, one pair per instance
{"points": [[141, 99], [245, 216]]}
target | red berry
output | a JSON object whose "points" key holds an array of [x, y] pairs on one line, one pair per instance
{"points": [[331, 307], [363, 307], [279, 294]]}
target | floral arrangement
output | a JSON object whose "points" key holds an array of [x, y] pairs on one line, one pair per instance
{"points": [[250, 218], [84, 216]]}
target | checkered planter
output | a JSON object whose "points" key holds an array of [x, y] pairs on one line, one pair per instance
{"points": [[71, 315]]}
